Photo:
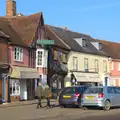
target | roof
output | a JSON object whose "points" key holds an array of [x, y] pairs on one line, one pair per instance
{"points": [[111, 48], [68, 37], [20, 29]]}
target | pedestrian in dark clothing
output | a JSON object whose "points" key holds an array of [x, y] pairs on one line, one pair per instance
{"points": [[39, 94], [47, 93]]}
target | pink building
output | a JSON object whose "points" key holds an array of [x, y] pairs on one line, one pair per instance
{"points": [[115, 72]]}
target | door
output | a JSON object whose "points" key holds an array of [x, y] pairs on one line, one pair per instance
{"points": [[111, 95], [30, 89], [117, 94]]}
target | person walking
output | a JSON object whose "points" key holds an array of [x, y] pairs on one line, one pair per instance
{"points": [[47, 93], [39, 94]]}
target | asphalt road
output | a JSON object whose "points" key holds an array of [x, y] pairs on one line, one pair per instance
{"points": [[56, 113], [113, 117]]}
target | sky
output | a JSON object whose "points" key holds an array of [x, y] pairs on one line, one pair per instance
{"points": [[97, 18]]}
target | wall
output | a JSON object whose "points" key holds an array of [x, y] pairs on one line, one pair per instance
{"points": [[115, 71], [91, 59], [115, 74], [3, 51], [24, 63]]}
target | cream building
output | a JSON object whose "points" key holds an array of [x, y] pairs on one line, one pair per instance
{"points": [[87, 68]]}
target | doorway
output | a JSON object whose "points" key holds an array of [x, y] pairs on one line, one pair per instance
{"points": [[30, 89]]}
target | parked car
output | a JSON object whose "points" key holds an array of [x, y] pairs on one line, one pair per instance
{"points": [[103, 97], [71, 96]]}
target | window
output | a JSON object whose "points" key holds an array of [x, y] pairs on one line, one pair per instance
{"points": [[86, 64], [18, 54], [100, 46], [75, 63], [55, 55], [105, 65], [14, 87], [119, 66], [112, 66], [94, 90], [96, 65], [84, 43], [110, 90], [117, 90], [39, 58]]}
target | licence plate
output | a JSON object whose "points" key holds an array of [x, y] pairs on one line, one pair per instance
{"points": [[90, 97], [66, 96]]}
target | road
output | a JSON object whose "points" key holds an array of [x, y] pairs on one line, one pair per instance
{"points": [[31, 113]]}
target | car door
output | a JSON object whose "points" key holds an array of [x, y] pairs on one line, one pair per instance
{"points": [[117, 94], [111, 95]]}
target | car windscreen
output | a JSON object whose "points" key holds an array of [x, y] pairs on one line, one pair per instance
{"points": [[73, 90], [94, 90]]}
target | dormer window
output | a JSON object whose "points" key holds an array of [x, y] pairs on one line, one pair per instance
{"points": [[97, 45], [84, 43], [100, 46]]}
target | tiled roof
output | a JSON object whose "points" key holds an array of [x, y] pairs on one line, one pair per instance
{"points": [[68, 37], [111, 48], [20, 29]]}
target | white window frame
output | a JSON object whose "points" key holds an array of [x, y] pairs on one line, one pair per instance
{"points": [[75, 63], [119, 66], [37, 57], [112, 66], [16, 93], [18, 51]]}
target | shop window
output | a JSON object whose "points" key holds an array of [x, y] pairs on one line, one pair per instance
{"points": [[14, 87], [18, 54]]}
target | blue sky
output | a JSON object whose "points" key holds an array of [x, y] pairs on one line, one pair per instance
{"points": [[98, 18]]}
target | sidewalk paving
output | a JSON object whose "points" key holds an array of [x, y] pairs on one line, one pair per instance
{"points": [[23, 103]]}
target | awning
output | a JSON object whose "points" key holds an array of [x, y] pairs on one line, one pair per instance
{"points": [[87, 77], [24, 73]]}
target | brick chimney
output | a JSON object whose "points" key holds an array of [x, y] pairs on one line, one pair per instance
{"points": [[10, 8]]}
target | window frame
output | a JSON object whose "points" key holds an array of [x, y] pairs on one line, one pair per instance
{"points": [[105, 66], [84, 43], [112, 65], [96, 63], [75, 67], [18, 51], [87, 64], [15, 85], [42, 63], [118, 66]]}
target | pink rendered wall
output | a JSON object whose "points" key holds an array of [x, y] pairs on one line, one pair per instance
{"points": [[17, 63], [115, 71]]}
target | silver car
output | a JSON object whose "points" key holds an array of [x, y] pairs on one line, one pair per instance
{"points": [[104, 97]]}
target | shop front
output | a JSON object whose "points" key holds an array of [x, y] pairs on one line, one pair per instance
{"points": [[22, 83], [77, 78]]}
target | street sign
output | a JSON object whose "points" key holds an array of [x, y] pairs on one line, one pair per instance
{"points": [[46, 42]]}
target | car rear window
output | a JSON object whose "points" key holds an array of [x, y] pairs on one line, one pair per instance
{"points": [[74, 90], [94, 90]]}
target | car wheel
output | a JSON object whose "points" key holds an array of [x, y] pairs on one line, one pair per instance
{"points": [[85, 108], [107, 105]]}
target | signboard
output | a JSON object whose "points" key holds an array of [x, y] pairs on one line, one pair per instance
{"points": [[46, 42]]}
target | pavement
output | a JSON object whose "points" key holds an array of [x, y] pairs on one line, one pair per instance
{"points": [[29, 112], [23, 103]]}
